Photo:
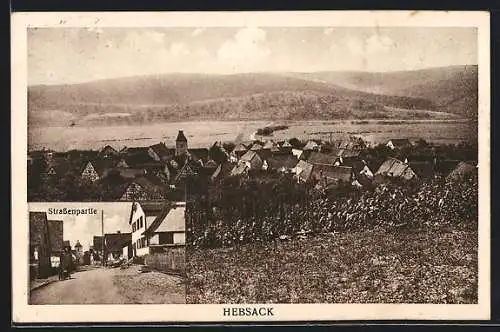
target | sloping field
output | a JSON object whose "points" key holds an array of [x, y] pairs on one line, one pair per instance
{"points": [[372, 266]]}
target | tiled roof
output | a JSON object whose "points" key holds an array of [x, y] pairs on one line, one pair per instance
{"points": [[135, 150], [116, 241], [222, 171], [248, 156], [199, 153], [397, 142], [462, 170], [356, 164], [395, 168], [152, 189], [129, 173], [348, 153], [240, 148], [278, 161], [108, 149], [256, 147], [311, 145], [152, 208], [162, 151], [138, 158], [321, 158], [304, 170], [100, 165], [269, 145], [386, 166], [333, 173], [305, 155], [170, 219], [239, 169], [211, 164], [423, 169]]}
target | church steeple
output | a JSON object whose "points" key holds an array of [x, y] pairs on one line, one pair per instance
{"points": [[78, 246], [181, 145], [181, 137]]}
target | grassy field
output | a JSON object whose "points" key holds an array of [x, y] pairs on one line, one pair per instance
{"points": [[205, 133], [372, 266]]}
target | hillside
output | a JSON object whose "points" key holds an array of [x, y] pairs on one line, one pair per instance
{"points": [[172, 97], [451, 89]]}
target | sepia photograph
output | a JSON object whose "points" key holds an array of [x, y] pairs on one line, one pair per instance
{"points": [[109, 253], [251, 165]]}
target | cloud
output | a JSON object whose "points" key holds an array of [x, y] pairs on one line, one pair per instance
{"points": [[97, 30], [144, 40], [81, 228], [328, 31], [356, 46], [179, 49], [377, 44], [197, 31], [246, 46], [115, 223], [372, 53], [372, 46]]}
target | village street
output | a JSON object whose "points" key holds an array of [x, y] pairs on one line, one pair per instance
{"points": [[112, 286]]}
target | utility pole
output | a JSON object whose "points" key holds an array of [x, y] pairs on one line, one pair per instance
{"points": [[102, 233]]}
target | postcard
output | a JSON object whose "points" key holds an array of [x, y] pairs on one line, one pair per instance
{"points": [[250, 166]]}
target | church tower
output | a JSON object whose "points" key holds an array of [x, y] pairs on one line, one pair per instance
{"points": [[79, 252], [181, 145]]}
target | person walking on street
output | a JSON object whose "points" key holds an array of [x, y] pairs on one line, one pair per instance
{"points": [[65, 264]]}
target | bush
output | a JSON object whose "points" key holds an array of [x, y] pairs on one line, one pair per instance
{"points": [[263, 211]]}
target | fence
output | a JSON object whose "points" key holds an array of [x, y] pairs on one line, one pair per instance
{"points": [[167, 258]]}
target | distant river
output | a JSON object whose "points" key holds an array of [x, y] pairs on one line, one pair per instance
{"points": [[205, 133]]}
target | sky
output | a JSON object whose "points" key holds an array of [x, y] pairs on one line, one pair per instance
{"points": [[73, 55], [84, 227]]}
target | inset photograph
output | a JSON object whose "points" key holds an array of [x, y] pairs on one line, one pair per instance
{"points": [[107, 253]]}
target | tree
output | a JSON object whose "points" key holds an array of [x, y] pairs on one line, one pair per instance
{"points": [[228, 146], [295, 142], [35, 173]]}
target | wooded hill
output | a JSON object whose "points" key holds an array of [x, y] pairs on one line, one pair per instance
{"points": [[451, 89], [286, 96]]}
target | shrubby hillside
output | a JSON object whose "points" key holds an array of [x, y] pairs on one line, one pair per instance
{"points": [[286, 96], [450, 89]]}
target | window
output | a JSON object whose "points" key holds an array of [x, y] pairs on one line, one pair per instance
{"points": [[133, 227], [166, 238], [141, 222]]}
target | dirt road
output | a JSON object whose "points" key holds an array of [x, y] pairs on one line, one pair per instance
{"points": [[106, 286]]}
